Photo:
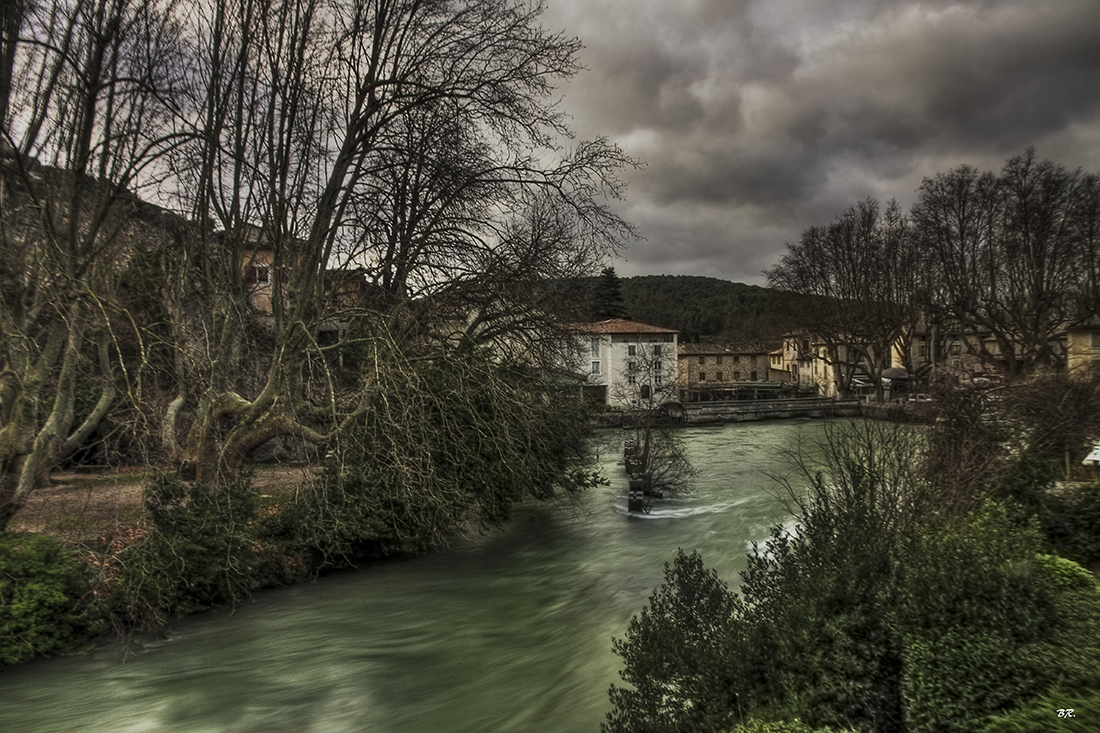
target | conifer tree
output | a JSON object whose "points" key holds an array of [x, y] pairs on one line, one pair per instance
{"points": [[607, 296]]}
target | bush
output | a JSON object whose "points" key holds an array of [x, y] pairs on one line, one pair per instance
{"points": [[987, 624], [783, 726], [1072, 524], [1060, 710], [818, 604], [199, 552], [444, 443], [683, 656], [970, 613], [46, 602], [879, 613]]}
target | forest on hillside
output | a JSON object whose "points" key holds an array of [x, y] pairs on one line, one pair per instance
{"points": [[703, 308]]}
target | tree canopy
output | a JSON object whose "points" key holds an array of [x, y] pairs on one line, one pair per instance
{"points": [[1010, 258], [373, 179]]}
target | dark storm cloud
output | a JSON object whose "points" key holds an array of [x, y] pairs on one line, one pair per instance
{"points": [[757, 119]]}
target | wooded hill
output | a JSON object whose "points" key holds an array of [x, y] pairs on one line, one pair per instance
{"points": [[703, 308]]}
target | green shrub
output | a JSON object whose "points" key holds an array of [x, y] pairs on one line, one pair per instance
{"points": [[683, 656], [199, 552], [46, 602], [783, 726], [879, 612], [987, 625], [443, 443], [1072, 524], [818, 604], [1059, 710]]}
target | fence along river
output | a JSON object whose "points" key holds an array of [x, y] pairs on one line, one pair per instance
{"points": [[506, 632]]}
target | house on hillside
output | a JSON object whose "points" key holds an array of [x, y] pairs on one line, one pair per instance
{"points": [[264, 271], [729, 371], [1083, 344], [265, 274], [627, 364]]}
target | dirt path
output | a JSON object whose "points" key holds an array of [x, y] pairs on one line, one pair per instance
{"points": [[77, 506]]}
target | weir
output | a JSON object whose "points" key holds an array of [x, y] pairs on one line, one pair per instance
{"points": [[698, 413]]}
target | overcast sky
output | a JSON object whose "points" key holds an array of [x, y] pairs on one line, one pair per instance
{"points": [[756, 119]]}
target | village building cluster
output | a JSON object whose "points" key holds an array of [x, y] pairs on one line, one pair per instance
{"points": [[624, 363], [630, 364]]}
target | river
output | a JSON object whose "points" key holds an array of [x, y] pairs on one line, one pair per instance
{"points": [[506, 632]]}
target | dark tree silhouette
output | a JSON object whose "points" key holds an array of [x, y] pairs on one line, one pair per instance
{"points": [[607, 296]]}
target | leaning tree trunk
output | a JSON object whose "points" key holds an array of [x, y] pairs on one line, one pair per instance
{"points": [[30, 451]]}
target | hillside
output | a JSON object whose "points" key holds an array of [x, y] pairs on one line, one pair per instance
{"points": [[702, 308]]}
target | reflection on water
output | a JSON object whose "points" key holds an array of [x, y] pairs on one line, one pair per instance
{"points": [[508, 632]]}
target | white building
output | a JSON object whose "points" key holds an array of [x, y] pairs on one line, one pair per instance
{"points": [[628, 364]]}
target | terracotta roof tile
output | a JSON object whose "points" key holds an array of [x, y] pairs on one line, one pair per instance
{"points": [[749, 347], [619, 325]]}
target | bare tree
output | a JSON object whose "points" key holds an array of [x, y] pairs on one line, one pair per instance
{"points": [[446, 220], [853, 284], [655, 456], [405, 139], [84, 91], [1014, 255]]}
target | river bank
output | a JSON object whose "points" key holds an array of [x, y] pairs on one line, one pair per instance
{"points": [[508, 631]]}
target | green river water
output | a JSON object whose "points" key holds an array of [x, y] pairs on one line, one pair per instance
{"points": [[507, 632]]}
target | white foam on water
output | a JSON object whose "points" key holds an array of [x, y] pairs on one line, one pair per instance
{"points": [[660, 509]]}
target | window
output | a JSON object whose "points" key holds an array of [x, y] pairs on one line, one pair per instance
{"points": [[702, 376], [702, 360], [631, 379], [752, 376], [718, 377], [1095, 339], [631, 350], [657, 366], [656, 349], [736, 376], [656, 378], [595, 367], [805, 344], [632, 366], [736, 358], [595, 347], [258, 274], [956, 348], [718, 361]]}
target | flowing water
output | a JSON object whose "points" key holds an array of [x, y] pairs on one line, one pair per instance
{"points": [[507, 632]]}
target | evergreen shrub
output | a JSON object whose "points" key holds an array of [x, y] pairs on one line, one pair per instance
{"points": [[1072, 524], [973, 615], [1061, 710], [443, 444], [198, 553], [878, 612], [684, 656], [47, 605]]}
